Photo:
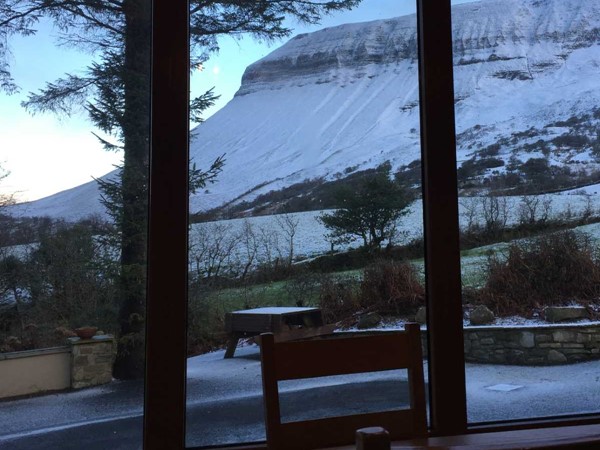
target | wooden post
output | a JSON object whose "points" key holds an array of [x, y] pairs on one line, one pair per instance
{"points": [[372, 438]]}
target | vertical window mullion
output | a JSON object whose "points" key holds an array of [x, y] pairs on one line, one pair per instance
{"points": [[440, 203], [164, 408]]}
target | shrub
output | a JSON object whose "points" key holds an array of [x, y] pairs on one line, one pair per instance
{"points": [[338, 299], [552, 269], [490, 150], [391, 287], [303, 288], [206, 322], [475, 167], [348, 260], [67, 280], [571, 141]]}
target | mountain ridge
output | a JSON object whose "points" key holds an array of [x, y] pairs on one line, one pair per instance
{"points": [[347, 97]]}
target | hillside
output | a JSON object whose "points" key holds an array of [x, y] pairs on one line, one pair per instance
{"points": [[345, 98]]}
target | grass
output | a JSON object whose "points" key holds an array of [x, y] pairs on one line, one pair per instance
{"points": [[267, 294], [276, 293], [255, 296], [212, 306]]}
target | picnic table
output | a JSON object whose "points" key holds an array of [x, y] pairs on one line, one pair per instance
{"points": [[286, 323]]}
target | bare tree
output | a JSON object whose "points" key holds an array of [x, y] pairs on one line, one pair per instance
{"points": [[534, 209], [494, 210], [249, 246], [288, 224], [588, 209], [469, 206], [546, 208], [212, 250], [270, 252], [6, 199]]}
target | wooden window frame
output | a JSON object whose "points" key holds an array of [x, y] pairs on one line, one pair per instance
{"points": [[166, 313], [165, 402]]}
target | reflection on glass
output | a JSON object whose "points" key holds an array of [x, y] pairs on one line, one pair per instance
{"points": [[527, 113], [312, 221], [343, 395], [75, 84]]}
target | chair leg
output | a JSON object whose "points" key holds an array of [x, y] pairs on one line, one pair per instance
{"points": [[372, 438]]}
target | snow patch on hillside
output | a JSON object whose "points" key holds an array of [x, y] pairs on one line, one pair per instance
{"points": [[347, 97]]}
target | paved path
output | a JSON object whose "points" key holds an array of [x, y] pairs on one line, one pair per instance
{"points": [[224, 403]]}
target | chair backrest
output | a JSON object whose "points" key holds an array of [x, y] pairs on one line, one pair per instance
{"points": [[336, 356]]}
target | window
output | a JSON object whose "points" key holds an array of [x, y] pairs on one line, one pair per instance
{"points": [[74, 262], [527, 184], [326, 118], [167, 336]]}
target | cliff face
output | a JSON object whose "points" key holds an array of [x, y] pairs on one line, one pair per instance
{"points": [[345, 98], [487, 31], [321, 54]]}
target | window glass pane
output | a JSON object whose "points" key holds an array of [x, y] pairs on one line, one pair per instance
{"points": [[74, 90], [343, 395], [527, 113], [318, 132]]}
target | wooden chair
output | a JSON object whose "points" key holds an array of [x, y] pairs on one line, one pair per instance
{"points": [[335, 356]]}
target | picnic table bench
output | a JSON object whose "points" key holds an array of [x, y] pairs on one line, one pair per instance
{"points": [[286, 323]]}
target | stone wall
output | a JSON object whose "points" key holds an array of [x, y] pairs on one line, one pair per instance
{"points": [[535, 345], [91, 361]]}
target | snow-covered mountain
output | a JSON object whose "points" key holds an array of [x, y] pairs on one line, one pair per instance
{"points": [[527, 78]]}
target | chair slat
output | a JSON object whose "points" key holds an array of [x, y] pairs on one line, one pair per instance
{"points": [[348, 355]]}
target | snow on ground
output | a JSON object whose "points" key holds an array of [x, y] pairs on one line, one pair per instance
{"points": [[538, 391], [519, 392], [397, 324], [494, 392], [592, 189], [310, 238]]}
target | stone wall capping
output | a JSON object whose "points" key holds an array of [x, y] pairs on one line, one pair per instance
{"points": [[97, 338], [36, 352], [565, 313], [526, 326]]}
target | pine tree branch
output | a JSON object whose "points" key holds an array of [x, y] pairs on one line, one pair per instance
{"points": [[59, 97]]}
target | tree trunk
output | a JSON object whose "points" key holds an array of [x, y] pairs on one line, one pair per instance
{"points": [[136, 135]]}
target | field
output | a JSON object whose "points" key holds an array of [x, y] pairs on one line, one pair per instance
{"points": [[310, 239]]}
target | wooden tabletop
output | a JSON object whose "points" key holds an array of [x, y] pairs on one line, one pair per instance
{"points": [[275, 310]]}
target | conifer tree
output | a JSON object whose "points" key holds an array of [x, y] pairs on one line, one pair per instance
{"points": [[114, 90]]}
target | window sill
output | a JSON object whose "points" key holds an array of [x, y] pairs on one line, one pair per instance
{"points": [[562, 437], [577, 436]]}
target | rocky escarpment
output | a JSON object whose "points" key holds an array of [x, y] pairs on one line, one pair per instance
{"points": [[326, 51], [489, 31]]}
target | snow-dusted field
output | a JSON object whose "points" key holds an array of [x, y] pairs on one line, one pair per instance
{"points": [[310, 238]]}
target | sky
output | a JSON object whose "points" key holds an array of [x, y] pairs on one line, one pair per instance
{"points": [[46, 154]]}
